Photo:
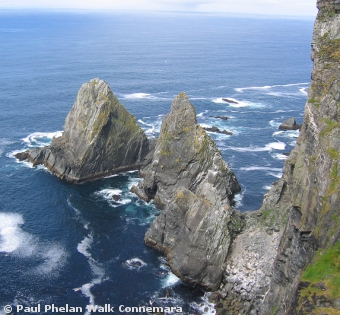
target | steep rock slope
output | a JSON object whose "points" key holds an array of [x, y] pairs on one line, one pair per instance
{"points": [[100, 138], [299, 222], [187, 178]]}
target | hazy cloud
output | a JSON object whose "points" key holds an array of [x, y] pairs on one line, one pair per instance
{"points": [[272, 7]]}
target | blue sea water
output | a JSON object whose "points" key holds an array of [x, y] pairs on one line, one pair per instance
{"points": [[68, 244]]}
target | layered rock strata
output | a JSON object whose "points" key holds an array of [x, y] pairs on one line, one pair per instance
{"points": [[289, 246], [186, 176], [100, 138]]}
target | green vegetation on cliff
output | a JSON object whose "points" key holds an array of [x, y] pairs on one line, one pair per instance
{"points": [[321, 282]]}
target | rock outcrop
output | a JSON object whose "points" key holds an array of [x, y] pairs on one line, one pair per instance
{"points": [[290, 124], [186, 176], [217, 130], [290, 246], [100, 138]]}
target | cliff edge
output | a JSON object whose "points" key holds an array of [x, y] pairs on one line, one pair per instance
{"points": [[290, 261], [100, 138]]}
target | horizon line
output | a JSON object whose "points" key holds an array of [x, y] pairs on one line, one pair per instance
{"points": [[110, 11]]}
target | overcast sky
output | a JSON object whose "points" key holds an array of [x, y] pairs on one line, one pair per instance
{"points": [[266, 7]]}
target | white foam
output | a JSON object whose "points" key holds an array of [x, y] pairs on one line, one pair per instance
{"points": [[144, 123], [108, 193], [84, 248], [133, 182], [134, 263], [39, 139], [238, 199], [205, 307], [22, 244], [201, 114], [260, 168], [140, 96], [279, 156], [54, 257], [277, 133], [287, 134], [268, 147], [111, 176], [267, 187], [3, 144], [85, 245], [153, 128], [277, 175], [170, 280], [274, 123], [237, 103], [267, 87], [11, 234]]}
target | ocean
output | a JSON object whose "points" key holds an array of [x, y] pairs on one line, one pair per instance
{"points": [[66, 244]]}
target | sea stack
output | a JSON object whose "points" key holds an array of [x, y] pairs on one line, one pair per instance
{"points": [[186, 176], [100, 138]]}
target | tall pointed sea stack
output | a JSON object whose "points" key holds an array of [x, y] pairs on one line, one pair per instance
{"points": [[100, 138], [187, 178]]}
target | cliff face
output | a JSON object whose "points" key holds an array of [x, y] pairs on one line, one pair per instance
{"points": [[187, 178], [100, 138], [299, 222]]}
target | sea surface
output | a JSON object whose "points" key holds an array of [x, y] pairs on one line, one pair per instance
{"points": [[72, 244]]}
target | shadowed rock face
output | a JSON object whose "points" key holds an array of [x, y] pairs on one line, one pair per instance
{"points": [[100, 138], [301, 212], [187, 178]]}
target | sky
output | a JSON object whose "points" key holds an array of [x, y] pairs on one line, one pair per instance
{"points": [[263, 7]]}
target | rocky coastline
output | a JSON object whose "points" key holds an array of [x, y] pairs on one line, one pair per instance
{"points": [[258, 263]]}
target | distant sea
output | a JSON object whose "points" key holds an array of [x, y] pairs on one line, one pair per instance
{"points": [[68, 244]]}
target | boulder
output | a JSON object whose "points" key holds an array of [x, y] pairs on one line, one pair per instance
{"points": [[100, 138], [290, 124]]}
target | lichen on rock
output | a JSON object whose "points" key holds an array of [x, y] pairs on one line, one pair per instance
{"points": [[187, 177], [100, 138], [299, 219]]}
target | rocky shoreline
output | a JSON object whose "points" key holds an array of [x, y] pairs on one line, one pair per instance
{"points": [[259, 263]]}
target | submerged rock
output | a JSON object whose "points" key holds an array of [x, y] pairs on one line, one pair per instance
{"points": [[217, 130], [230, 101], [221, 117], [100, 138], [187, 178]]}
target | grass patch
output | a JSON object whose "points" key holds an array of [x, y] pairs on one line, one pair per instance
{"points": [[334, 154], [331, 125], [329, 49], [325, 269], [315, 101]]}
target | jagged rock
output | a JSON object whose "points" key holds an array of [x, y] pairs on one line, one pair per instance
{"points": [[100, 138], [290, 124], [217, 130], [116, 197], [194, 186]]}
